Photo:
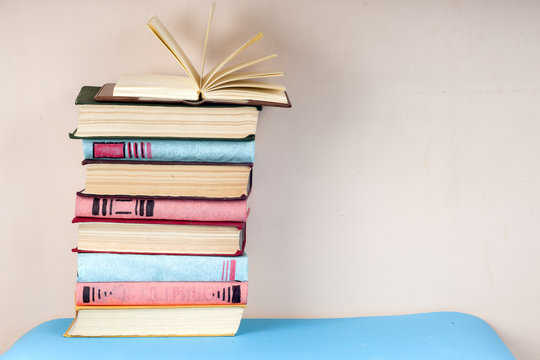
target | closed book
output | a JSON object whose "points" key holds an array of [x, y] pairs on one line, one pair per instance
{"points": [[185, 150], [106, 267], [161, 120], [167, 179], [172, 237], [161, 293], [209, 320], [162, 209]]}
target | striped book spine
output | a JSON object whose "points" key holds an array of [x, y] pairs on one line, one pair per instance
{"points": [[161, 293], [161, 209], [193, 150]]}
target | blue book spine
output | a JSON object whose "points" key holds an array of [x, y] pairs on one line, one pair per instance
{"points": [[105, 267], [193, 150]]}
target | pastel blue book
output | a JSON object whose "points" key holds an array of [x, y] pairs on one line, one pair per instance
{"points": [[188, 150], [106, 267]]}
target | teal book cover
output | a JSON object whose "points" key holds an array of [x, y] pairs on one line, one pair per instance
{"points": [[186, 150]]}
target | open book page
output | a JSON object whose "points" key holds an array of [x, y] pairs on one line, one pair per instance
{"points": [[167, 39], [221, 84], [224, 72], [249, 84], [242, 76], [166, 87], [238, 94], [219, 66], [212, 8]]}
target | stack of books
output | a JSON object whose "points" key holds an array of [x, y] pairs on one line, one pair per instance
{"points": [[162, 217]]}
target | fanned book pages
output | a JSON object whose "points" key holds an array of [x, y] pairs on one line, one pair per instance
{"points": [[222, 83]]}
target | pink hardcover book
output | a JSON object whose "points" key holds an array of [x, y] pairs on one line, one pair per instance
{"points": [[161, 209], [161, 293]]}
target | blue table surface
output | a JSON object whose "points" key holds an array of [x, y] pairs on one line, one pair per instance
{"points": [[433, 336]]}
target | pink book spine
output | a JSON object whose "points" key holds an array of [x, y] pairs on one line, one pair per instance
{"points": [[161, 293], [161, 209]]}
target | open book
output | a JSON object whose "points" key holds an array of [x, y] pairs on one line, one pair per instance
{"points": [[220, 84]]}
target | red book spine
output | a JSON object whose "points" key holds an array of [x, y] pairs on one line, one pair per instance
{"points": [[161, 209], [161, 293]]}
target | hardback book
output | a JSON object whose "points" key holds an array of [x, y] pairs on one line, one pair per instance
{"points": [[107, 267], [222, 83], [173, 237], [185, 150], [208, 320], [167, 179], [160, 209], [165, 121], [161, 293]]}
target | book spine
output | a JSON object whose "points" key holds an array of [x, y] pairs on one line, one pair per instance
{"points": [[214, 151], [160, 293], [161, 209], [107, 267]]}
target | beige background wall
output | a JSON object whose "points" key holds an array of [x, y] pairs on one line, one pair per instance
{"points": [[405, 178]]}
